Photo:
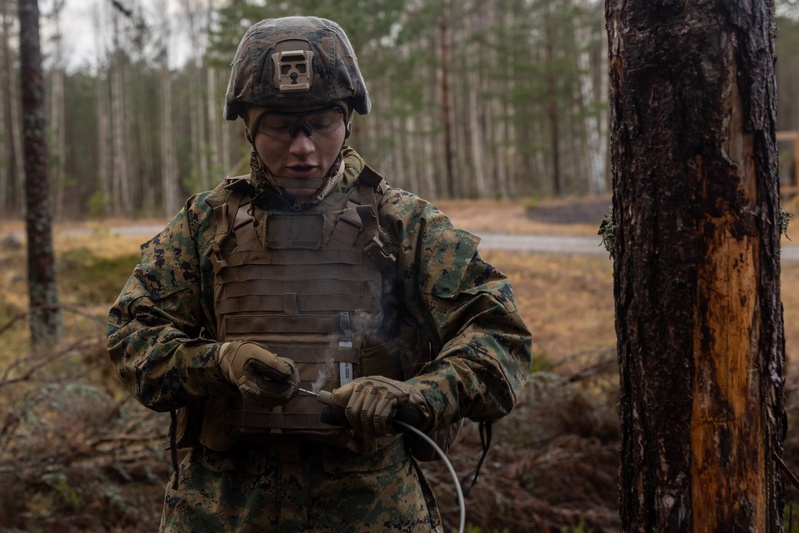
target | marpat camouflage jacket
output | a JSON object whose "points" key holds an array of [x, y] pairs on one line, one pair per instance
{"points": [[161, 328]]}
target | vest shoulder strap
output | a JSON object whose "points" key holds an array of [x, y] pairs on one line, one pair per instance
{"points": [[371, 188], [225, 212], [371, 177]]}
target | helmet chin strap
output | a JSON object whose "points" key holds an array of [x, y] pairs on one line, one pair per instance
{"points": [[326, 184], [261, 175]]}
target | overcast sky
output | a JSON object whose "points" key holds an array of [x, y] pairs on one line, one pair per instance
{"points": [[79, 29]]}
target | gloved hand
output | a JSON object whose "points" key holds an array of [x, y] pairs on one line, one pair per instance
{"points": [[370, 404], [260, 375]]}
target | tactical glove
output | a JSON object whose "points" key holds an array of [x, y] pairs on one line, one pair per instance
{"points": [[369, 405], [260, 375]]}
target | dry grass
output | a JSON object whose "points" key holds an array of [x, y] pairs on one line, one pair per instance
{"points": [[565, 300], [511, 217]]}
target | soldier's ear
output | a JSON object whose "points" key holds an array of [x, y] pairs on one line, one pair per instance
{"points": [[349, 129], [247, 134]]}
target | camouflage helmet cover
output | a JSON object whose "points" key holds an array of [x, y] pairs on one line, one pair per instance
{"points": [[269, 68]]}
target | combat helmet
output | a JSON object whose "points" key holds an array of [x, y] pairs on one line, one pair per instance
{"points": [[294, 61]]}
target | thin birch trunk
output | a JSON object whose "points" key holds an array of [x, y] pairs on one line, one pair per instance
{"points": [[146, 179], [120, 178], [413, 144], [5, 188], [474, 107], [57, 118], [104, 148], [170, 184], [507, 138], [214, 133], [496, 122], [215, 149], [604, 114], [169, 164], [432, 123], [446, 100], [413, 139], [553, 117], [595, 157], [58, 137], [15, 171], [196, 100]]}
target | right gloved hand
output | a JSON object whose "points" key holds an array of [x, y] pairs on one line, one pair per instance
{"points": [[370, 404], [260, 375]]}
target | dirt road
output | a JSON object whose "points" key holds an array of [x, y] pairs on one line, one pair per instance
{"points": [[565, 226]]}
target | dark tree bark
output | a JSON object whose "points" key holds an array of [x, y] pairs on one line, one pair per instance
{"points": [[449, 171], [552, 101], [697, 264], [45, 318]]}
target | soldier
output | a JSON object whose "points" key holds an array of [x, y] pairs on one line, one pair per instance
{"points": [[311, 272]]}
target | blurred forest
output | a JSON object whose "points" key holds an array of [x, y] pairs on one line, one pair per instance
{"points": [[472, 99]]}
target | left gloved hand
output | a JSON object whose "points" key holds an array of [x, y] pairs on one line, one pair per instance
{"points": [[370, 404], [260, 375]]}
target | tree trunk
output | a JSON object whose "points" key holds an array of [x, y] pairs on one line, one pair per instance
{"points": [[57, 114], [504, 132], [15, 172], [45, 317], [199, 157], [696, 276], [58, 135], [446, 102], [430, 184], [120, 126], [552, 101], [170, 186], [5, 102], [103, 196], [594, 157], [215, 152], [476, 144], [121, 180]]}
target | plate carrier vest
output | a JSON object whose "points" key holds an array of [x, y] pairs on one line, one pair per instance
{"points": [[307, 285]]}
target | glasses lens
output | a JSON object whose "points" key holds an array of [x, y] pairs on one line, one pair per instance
{"points": [[286, 125], [325, 121], [276, 125]]}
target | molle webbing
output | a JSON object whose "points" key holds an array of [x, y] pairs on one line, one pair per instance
{"points": [[302, 284]]}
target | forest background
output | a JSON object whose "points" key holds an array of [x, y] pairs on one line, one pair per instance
{"points": [[472, 99]]}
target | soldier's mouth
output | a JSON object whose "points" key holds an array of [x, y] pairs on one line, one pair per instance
{"points": [[301, 169]]}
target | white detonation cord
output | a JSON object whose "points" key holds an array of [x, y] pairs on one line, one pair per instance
{"points": [[440, 452], [325, 398]]}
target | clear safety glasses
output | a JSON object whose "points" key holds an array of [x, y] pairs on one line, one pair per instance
{"points": [[285, 125]]}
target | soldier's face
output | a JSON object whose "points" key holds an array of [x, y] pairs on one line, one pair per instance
{"points": [[301, 143]]}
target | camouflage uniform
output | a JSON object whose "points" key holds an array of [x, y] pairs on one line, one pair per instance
{"points": [[162, 341]]}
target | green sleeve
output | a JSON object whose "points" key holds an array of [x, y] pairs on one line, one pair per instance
{"points": [[161, 328], [467, 308]]}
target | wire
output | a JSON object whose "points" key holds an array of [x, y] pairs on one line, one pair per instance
{"points": [[440, 452], [325, 398]]}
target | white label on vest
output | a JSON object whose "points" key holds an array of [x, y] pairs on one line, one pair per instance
{"points": [[345, 373]]}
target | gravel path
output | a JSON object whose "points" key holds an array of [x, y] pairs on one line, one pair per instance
{"points": [[562, 244], [569, 244]]}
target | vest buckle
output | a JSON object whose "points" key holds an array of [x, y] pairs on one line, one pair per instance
{"points": [[375, 249]]}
